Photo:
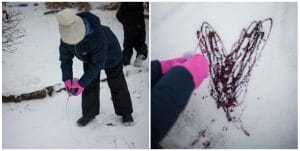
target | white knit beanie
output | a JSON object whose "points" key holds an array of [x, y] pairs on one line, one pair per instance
{"points": [[71, 26]]}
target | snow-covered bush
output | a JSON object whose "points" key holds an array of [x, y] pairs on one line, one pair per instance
{"points": [[11, 28]]}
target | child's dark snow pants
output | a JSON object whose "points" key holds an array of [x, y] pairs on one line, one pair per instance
{"points": [[119, 92]]}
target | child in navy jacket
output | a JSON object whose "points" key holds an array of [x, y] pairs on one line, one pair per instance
{"points": [[83, 36]]}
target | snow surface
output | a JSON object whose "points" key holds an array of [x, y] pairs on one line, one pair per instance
{"points": [[270, 115], [47, 123]]}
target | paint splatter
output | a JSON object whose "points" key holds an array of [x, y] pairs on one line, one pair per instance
{"points": [[230, 72]]}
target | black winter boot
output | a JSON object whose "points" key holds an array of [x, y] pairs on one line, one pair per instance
{"points": [[127, 120], [84, 120]]}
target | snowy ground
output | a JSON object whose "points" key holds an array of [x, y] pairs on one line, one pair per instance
{"points": [[47, 123], [271, 101]]}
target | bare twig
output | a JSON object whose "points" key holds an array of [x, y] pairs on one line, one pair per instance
{"points": [[11, 29]]}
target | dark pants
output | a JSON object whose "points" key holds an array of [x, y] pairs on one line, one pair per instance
{"points": [[169, 95], [134, 39], [118, 88]]}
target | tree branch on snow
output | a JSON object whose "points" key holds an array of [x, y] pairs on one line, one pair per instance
{"points": [[39, 94]]}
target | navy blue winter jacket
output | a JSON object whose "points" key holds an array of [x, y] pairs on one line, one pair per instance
{"points": [[99, 50], [170, 94]]}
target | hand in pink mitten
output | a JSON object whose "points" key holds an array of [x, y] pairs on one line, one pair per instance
{"points": [[77, 88], [166, 65], [68, 84], [197, 66]]}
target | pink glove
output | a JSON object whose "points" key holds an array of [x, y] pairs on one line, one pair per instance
{"points": [[77, 88], [166, 65], [68, 84], [197, 66]]}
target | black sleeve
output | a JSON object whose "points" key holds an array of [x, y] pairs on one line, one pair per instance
{"points": [[168, 99], [97, 63], [156, 72], [66, 59]]}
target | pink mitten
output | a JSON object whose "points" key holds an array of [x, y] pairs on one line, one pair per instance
{"points": [[68, 84], [197, 66], [166, 65], [77, 88]]}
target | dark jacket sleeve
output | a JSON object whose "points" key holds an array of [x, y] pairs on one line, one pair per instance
{"points": [[169, 97], [98, 59], [156, 72], [66, 59], [120, 13]]}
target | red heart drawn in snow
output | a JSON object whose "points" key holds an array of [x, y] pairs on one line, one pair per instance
{"points": [[230, 72]]}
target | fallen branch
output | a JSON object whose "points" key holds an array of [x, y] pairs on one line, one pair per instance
{"points": [[39, 94], [51, 11]]}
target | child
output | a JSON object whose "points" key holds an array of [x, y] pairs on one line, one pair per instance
{"points": [[97, 47]]}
